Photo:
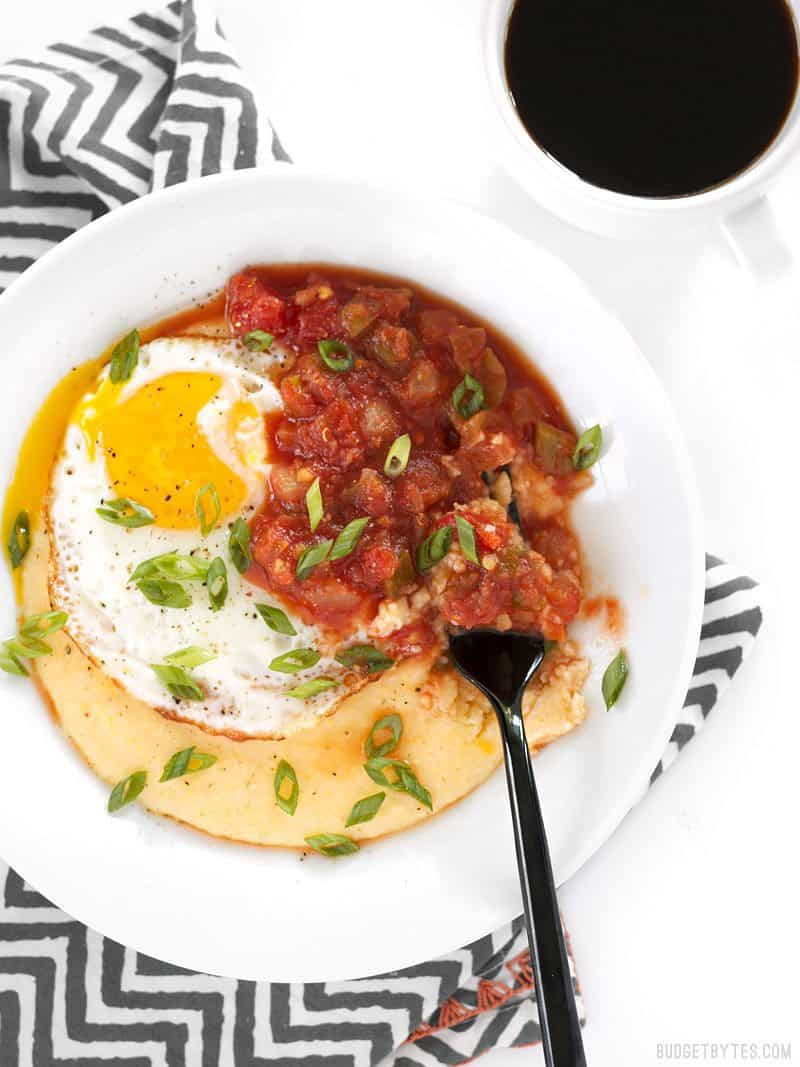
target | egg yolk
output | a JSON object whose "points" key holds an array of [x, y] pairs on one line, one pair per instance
{"points": [[157, 454]]}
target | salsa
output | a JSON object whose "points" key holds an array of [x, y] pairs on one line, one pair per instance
{"points": [[468, 525]]}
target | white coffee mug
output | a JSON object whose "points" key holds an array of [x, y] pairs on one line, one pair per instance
{"points": [[739, 205]]}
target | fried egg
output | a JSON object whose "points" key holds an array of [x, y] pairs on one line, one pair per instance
{"points": [[191, 415]]}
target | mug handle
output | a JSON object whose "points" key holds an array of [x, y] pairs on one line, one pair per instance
{"points": [[756, 241]]}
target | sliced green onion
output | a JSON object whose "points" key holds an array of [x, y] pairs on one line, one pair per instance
{"points": [[587, 449], [239, 546], [332, 845], [434, 547], [468, 398], [187, 761], [124, 358], [397, 457], [614, 679], [311, 557], [276, 619], [365, 809], [28, 643], [414, 788], [375, 750], [311, 688], [163, 593], [171, 566], [364, 656], [19, 540], [405, 782], [127, 790], [26, 647], [258, 340], [11, 663], [193, 656], [377, 766], [126, 512], [299, 659], [314, 505], [44, 624], [336, 355], [466, 538], [217, 583], [348, 538], [207, 508], [286, 801], [178, 681]]}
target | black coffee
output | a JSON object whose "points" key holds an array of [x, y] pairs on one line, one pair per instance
{"points": [[652, 97]]}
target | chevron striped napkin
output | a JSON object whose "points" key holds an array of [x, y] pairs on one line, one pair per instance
{"points": [[136, 106]]}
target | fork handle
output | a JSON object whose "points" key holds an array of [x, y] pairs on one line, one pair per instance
{"points": [[558, 1015]]}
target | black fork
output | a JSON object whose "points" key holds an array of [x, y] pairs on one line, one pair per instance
{"points": [[501, 665]]}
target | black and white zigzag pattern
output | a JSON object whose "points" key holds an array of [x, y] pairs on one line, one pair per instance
{"points": [[153, 101], [146, 103], [731, 621], [71, 997]]}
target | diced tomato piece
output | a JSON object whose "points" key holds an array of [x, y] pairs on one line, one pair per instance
{"points": [[490, 535], [378, 562], [318, 321], [564, 597], [393, 303], [252, 305], [423, 484], [423, 386], [557, 544], [475, 600], [297, 398], [392, 346], [322, 384], [333, 437], [468, 342], [485, 441], [372, 494], [436, 325], [276, 546], [532, 579], [379, 423]]}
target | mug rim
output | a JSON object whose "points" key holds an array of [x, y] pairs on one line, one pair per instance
{"points": [[536, 168]]}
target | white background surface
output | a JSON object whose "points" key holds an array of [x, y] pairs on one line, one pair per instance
{"points": [[685, 925]]}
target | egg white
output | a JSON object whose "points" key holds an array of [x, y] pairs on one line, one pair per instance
{"points": [[124, 633]]}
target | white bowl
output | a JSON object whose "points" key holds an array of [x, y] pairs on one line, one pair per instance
{"points": [[261, 914]]}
